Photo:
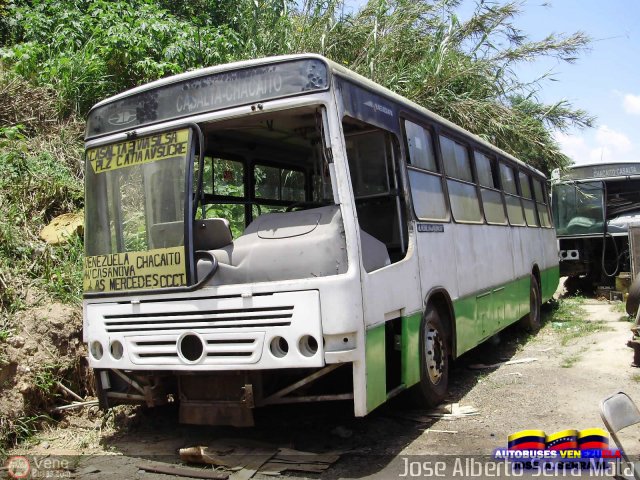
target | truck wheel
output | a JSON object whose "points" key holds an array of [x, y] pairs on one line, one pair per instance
{"points": [[434, 361], [531, 322]]}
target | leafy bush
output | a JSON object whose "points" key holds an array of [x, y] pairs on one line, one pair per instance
{"points": [[87, 50], [39, 179]]}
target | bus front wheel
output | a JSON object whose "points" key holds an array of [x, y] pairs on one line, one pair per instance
{"points": [[531, 322], [434, 360]]}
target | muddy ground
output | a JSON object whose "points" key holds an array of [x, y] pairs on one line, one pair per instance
{"points": [[560, 390]]}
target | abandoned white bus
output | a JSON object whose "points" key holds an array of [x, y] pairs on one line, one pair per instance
{"points": [[284, 230]]}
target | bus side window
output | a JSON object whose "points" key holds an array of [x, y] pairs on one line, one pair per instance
{"points": [[510, 188], [275, 183], [225, 178], [463, 194], [541, 203], [372, 158], [492, 201], [527, 200], [425, 178]]}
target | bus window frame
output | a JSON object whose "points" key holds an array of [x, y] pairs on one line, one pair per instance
{"points": [[453, 136], [434, 131], [495, 173], [190, 207], [258, 161], [532, 199], [248, 200], [544, 202], [395, 173], [514, 170]]}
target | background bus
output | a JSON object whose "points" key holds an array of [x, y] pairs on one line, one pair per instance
{"points": [[593, 207], [284, 230]]}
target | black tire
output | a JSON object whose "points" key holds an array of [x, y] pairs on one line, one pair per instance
{"points": [[531, 322], [434, 361], [633, 299]]}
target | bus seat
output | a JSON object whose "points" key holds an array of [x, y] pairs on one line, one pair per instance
{"points": [[166, 234], [211, 234], [283, 246]]}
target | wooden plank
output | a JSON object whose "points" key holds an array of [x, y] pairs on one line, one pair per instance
{"points": [[255, 459], [272, 468], [183, 471]]}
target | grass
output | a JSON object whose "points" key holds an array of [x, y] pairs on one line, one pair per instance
{"points": [[635, 377], [18, 430], [46, 379], [621, 307], [40, 178], [570, 360], [568, 318]]}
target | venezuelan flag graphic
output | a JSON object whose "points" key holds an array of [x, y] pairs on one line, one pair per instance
{"points": [[593, 439], [527, 440], [563, 440]]}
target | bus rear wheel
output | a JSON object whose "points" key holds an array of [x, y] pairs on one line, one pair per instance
{"points": [[531, 322], [434, 361]]}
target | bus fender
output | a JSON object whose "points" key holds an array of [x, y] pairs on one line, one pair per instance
{"points": [[535, 271], [439, 298]]}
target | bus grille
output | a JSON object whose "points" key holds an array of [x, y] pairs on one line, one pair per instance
{"points": [[200, 320], [219, 347]]}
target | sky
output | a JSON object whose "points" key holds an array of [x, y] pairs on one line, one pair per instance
{"points": [[604, 81]]}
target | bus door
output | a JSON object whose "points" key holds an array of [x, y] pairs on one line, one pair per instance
{"points": [[390, 276]]}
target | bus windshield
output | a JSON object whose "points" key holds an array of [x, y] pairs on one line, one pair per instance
{"points": [[135, 193], [579, 208]]}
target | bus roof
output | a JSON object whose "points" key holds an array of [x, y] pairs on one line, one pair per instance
{"points": [[335, 68]]}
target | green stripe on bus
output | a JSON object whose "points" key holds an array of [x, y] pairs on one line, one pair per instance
{"points": [[482, 314], [376, 367], [550, 279], [466, 326], [411, 349]]}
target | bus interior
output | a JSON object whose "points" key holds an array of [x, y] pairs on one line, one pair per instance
{"points": [[270, 177]]}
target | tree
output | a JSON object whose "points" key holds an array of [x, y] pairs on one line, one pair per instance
{"points": [[461, 70]]}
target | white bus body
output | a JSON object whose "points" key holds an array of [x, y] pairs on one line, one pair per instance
{"points": [[383, 268]]}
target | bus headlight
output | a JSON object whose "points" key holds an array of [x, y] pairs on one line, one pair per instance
{"points": [[117, 350], [279, 347], [308, 346], [95, 348]]}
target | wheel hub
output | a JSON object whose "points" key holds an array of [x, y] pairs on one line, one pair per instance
{"points": [[434, 355]]}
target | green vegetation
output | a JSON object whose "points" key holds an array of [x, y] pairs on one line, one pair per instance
{"points": [[464, 70], [46, 379], [25, 427], [620, 307], [40, 178], [568, 318], [570, 360]]}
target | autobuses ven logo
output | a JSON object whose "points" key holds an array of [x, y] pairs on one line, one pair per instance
{"points": [[123, 117], [18, 467], [527, 446]]}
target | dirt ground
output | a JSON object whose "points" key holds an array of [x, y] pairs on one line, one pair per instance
{"points": [[560, 390]]}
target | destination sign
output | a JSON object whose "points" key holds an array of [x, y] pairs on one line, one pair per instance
{"points": [[159, 268], [603, 171], [152, 148], [208, 93]]}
